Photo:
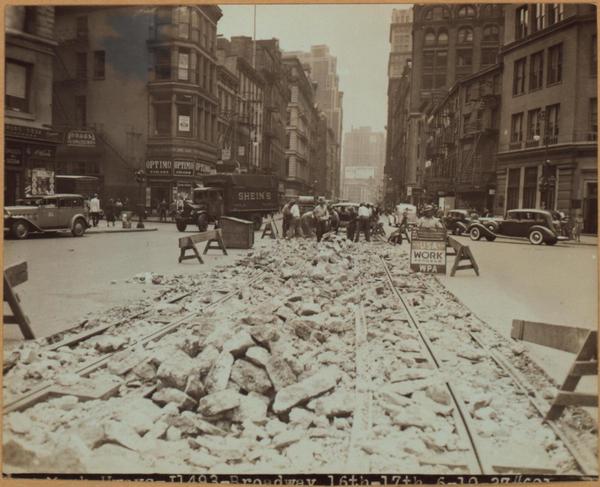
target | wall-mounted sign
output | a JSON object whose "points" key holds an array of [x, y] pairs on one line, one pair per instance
{"points": [[226, 154], [42, 181], [13, 156], [241, 150], [159, 167], [43, 153], [81, 138], [31, 133], [202, 168], [183, 168], [184, 123]]}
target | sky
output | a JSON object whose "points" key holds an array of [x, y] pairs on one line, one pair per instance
{"points": [[358, 35]]}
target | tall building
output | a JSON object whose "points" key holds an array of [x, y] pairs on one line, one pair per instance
{"points": [[30, 139], [450, 42], [400, 41], [136, 87], [323, 71], [364, 158], [548, 134]]}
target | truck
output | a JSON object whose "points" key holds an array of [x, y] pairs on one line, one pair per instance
{"points": [[246, 196]]}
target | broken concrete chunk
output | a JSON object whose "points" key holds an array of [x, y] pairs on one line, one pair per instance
{"points": [[258, 356], [307, 309], [108, 343], [239, 343], [249, 377], [280, 372], [253, 407], [218, 402], [294, 394], [194, 387], [175, 396], [439, 393], [264, 334], [218, 377], [175, 370], [206, 359]]}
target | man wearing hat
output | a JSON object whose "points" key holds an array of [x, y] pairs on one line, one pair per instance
{"points": [[321, 215], [428, 220]]}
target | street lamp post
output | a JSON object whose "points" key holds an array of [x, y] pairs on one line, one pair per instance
{"points": [[140, 177]]}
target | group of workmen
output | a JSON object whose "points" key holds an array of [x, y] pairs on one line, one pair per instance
{"points": [[324, 218]]}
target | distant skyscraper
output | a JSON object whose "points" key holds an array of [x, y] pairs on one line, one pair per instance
{"points": [[323, 71], [364, 156]]}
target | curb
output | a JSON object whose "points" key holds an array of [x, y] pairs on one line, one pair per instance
{"points": [[121, 230]]}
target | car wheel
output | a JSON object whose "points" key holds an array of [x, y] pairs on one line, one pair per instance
{"points": [[78, 228], [491, 228], [202, 223], [490, 238], [20, 230], [455, 231], [181, 225], [536, 237], [475, 233]]}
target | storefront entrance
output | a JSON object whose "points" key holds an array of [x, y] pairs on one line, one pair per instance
{"points": [[590, 208], [12, 187]]}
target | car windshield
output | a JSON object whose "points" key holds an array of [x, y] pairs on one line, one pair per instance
{"points": [[29, 202]]}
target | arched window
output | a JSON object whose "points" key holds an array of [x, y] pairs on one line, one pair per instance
{"points": [[466, 11], [429, 38], [442, 38], [465, 35], [491, 33], [436, 13]]}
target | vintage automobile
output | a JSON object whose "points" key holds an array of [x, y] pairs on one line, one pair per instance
{"points": [[538, 226], [38, 214], [457, 221]]}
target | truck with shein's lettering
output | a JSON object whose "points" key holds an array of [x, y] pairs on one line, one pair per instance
{"points": [[246, 196]]}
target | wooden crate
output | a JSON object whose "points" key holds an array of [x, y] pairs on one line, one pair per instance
{"points": [[237, 233]]}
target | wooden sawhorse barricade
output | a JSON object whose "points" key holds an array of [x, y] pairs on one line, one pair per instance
{"points": [[189, 242], [13, 276], [462, 252], [580, 341], [271, 229]]}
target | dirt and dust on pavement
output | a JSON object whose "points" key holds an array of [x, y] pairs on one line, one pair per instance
{"points": [[296, 359]]}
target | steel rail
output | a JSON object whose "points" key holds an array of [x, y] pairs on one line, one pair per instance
{"points": [[40, 392], [463, 423]]}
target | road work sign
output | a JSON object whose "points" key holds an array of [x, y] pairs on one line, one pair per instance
{"points": [[428, 251]]}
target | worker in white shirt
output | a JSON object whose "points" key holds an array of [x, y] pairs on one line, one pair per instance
{"points": [[294, 229], [364, 223], [321, 215], [95, 210]]}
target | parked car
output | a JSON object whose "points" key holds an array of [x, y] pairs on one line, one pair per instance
{"points": [[457, 221], [538, 226], [343, 210], [39, 214]]}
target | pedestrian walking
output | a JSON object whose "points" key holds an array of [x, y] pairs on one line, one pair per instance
{"points": [[95, 210], [364, 223], [163, 207], [428, 220], [294, 230], [109, 212], [321, 216], [287, 216], [118, 208], [578, 227]]}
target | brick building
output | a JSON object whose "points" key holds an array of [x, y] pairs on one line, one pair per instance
{"points": [[30, 138], [548, 135]]}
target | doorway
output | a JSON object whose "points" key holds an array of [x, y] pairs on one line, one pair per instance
{"points": [[12, 187], [590, 208]]}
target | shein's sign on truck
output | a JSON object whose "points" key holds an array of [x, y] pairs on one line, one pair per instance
{"points": [[428, 251]]}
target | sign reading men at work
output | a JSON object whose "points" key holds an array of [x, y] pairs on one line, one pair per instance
{"points": [[428, 251]]}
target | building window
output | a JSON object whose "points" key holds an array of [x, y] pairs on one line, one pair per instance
{"points": [[162, 64], [465, 35], [464, 58], [489, 56], [538, 17], [99, 64], [81, 65], [163, 21], [593, 118], [555, 12], [437, 13], [533, 125], [516, 128], [183, 65], [81, 111], [195, 26], [161, 108], [521, 21], [184, 105], [555, 57], [594, 61], [430, 38], [18, 86], [491, 33], [428, 57], [182, 19], [512, 188], [442, 38], [530, 182], [81, 27], [536, 70], [519, 76], [466, 11], [427, 81], [552, 123]]}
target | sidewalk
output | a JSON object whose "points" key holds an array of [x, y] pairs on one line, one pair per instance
{"points": [[101, 228]]}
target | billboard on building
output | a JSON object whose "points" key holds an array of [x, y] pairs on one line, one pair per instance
{"points": [[359, 172]]}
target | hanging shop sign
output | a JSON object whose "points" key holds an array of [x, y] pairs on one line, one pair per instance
{"points": [[203, 169], [13, 156], [81, 138], [428, 250], [43, 153], [42, 181], [24, 132], [183, 123], [183, 168], [241, 150], [159, 167], [226, 154]]}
